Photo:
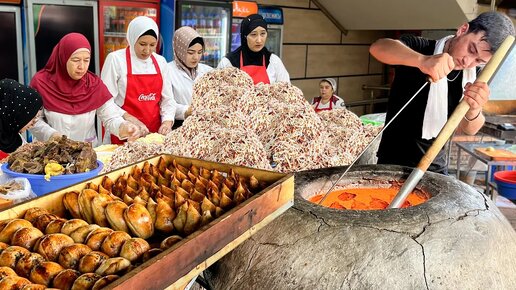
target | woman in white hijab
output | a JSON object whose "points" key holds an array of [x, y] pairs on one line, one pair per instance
{"points": [[186, 68], [139, 79]]}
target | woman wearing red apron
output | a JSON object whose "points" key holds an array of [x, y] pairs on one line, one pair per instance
{"points": [[327, 100], [138, 78], [253, 57]]}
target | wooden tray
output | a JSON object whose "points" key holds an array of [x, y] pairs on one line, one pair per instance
{"points": [[497, 154], [176, 266]]}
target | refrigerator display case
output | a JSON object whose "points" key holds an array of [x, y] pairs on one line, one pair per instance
{"points": [[11, 50], [114, 17], [49, 20], [274, 17], [212, 19]]}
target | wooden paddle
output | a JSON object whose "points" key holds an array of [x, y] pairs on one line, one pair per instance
{"points": [[451, 125]]}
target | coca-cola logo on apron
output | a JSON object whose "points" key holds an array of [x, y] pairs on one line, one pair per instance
{"points": [[147, 98]]}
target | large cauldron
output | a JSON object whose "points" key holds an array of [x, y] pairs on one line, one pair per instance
{"points": [[456, 240]]}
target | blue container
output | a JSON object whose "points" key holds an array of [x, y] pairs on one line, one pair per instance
{"points": [[40, 186], [506, 183]]}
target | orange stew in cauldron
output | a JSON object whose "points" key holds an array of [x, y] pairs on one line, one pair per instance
{"points": [[367, 198]]}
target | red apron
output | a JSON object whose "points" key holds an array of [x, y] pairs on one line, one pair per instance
{"points": [[257, 72], [317, 110], [142, 96]]}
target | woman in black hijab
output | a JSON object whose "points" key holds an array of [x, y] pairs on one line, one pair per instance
{"points": [[253, 57], [19, 106]]}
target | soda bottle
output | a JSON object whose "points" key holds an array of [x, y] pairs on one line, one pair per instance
{"points": [[209, 24], [193, 21], [109, 46]]}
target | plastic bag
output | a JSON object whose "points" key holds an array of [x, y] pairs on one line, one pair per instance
{"points": [[16, 194]]}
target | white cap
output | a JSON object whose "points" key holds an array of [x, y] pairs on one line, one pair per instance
{"points": [[332, 82]]}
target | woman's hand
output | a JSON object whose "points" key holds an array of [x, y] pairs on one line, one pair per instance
{"points": [[188, 112], [165, 127], [143, 129], [129, 131]]}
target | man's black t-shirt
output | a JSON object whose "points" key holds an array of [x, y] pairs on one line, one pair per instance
{"points": [[401, 142]]}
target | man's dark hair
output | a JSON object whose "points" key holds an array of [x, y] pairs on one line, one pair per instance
{"points": [[495, 25]]}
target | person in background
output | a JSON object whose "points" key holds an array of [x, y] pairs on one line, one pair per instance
{"points": [[72, 96], [328, 100], [139, 79], [451, 64], [253, 57], [19, 107], [185, 69]]}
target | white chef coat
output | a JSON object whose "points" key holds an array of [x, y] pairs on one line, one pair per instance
{"points": [[79, 127], [276, 70], [114, 75], [182, 86]]}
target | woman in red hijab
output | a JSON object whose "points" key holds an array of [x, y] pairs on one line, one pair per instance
{"points": [[72, 96]]}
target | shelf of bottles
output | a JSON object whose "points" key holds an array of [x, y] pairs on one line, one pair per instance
{"points": [[211, 24], [116, 20]]}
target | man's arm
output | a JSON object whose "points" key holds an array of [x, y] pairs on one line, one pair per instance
{"points": [[395, 52]]}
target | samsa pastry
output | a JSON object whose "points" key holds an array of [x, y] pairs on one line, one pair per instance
{"points": [[113, 266], [26, 237], [44, 272], [85, 202], [134, 248], [80, 234], [14, 282], [112, 244], [98, 206], [139, 220], [55, 226], [170, 241], [51, 245], [91, 261], [71, 225], [11, 227], [70, 256], [85, 281], [71, 203], [95, 238], [65, 279], [33, 213], [164, 216], [115, 216], [27, 262], [10, 256], [104, 281]]}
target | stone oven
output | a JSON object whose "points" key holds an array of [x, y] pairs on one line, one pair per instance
{"points": [[457, 239]]}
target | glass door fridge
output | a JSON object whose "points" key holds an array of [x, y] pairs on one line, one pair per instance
{"points": [[274, 18], [212, 19], [49, 20], [114, 17], [11, 50]]}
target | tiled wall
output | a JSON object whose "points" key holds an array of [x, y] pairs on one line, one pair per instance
{"points": [[314, 48]]}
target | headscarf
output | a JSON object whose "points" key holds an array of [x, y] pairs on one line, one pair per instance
{"points": [[183, 38], [19, 105], [249, 57], [137, 28], [60, 92]]}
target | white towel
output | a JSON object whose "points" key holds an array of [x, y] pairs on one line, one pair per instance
{"points": [[436, 111]]}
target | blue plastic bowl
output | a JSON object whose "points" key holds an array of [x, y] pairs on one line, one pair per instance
{"points": [[40, 186], [506, 183]]}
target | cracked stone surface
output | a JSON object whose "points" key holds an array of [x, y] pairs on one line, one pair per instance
{"points": [[456, 240]]}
